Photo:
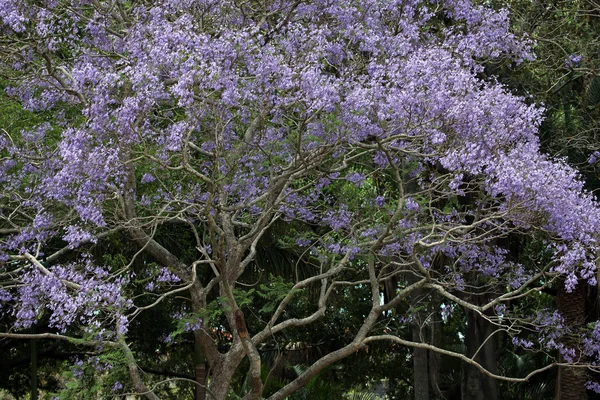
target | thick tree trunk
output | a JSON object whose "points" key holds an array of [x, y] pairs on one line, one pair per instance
{"points": [[436, 340], [420, 367], [570, 383], [419, 331], [475, 385], [222, 372], [219, 385]]}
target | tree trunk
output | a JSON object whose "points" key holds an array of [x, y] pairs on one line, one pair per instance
{"points": [[222, 372], [219, 386], [420, 356], [475, 385], [570, 382], [420, 366], [436, 340], [200, 372], [34, 368]]}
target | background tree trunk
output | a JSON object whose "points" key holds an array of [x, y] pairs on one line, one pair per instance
{"points": [[570, 383], [200, 372], [420, 365], [475, 385], [34, 368], [419, 332], [435, 373]]}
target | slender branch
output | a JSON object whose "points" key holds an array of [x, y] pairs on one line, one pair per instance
{"points": [[44, 270], [172, 292], [461, 357], [134, 372], [78, 341]]}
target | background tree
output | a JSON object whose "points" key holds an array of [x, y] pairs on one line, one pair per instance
{"points": [[563, 78]]}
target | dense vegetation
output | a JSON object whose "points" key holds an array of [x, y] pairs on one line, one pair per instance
{"points": [[299, 199]]}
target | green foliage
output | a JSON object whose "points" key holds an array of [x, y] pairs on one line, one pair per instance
{"points": [[320, 387], [274, 292], [95, 377], [361, 394], [519, 365]]}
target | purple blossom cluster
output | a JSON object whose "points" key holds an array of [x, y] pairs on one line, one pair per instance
{"points": [[552, 329], [158, 278], [573, 61], [338, 219], [72, 294], [356, 178]]}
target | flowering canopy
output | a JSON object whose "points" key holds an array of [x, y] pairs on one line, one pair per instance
{"points": [[371, 123]]}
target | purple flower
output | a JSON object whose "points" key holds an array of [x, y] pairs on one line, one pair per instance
{"points": [[522, 342], [75, 236], [500, 309], [78, 369], [593, 386], [356, 178], [122, 325], [164, 275], [411, 205], [194, 325], [302, 242], [147, 178], [456, 182], [338, 219], [446, 311], [572, 61]]}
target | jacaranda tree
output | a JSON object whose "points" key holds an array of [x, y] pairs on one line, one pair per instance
{"points": [[366, 129]]}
